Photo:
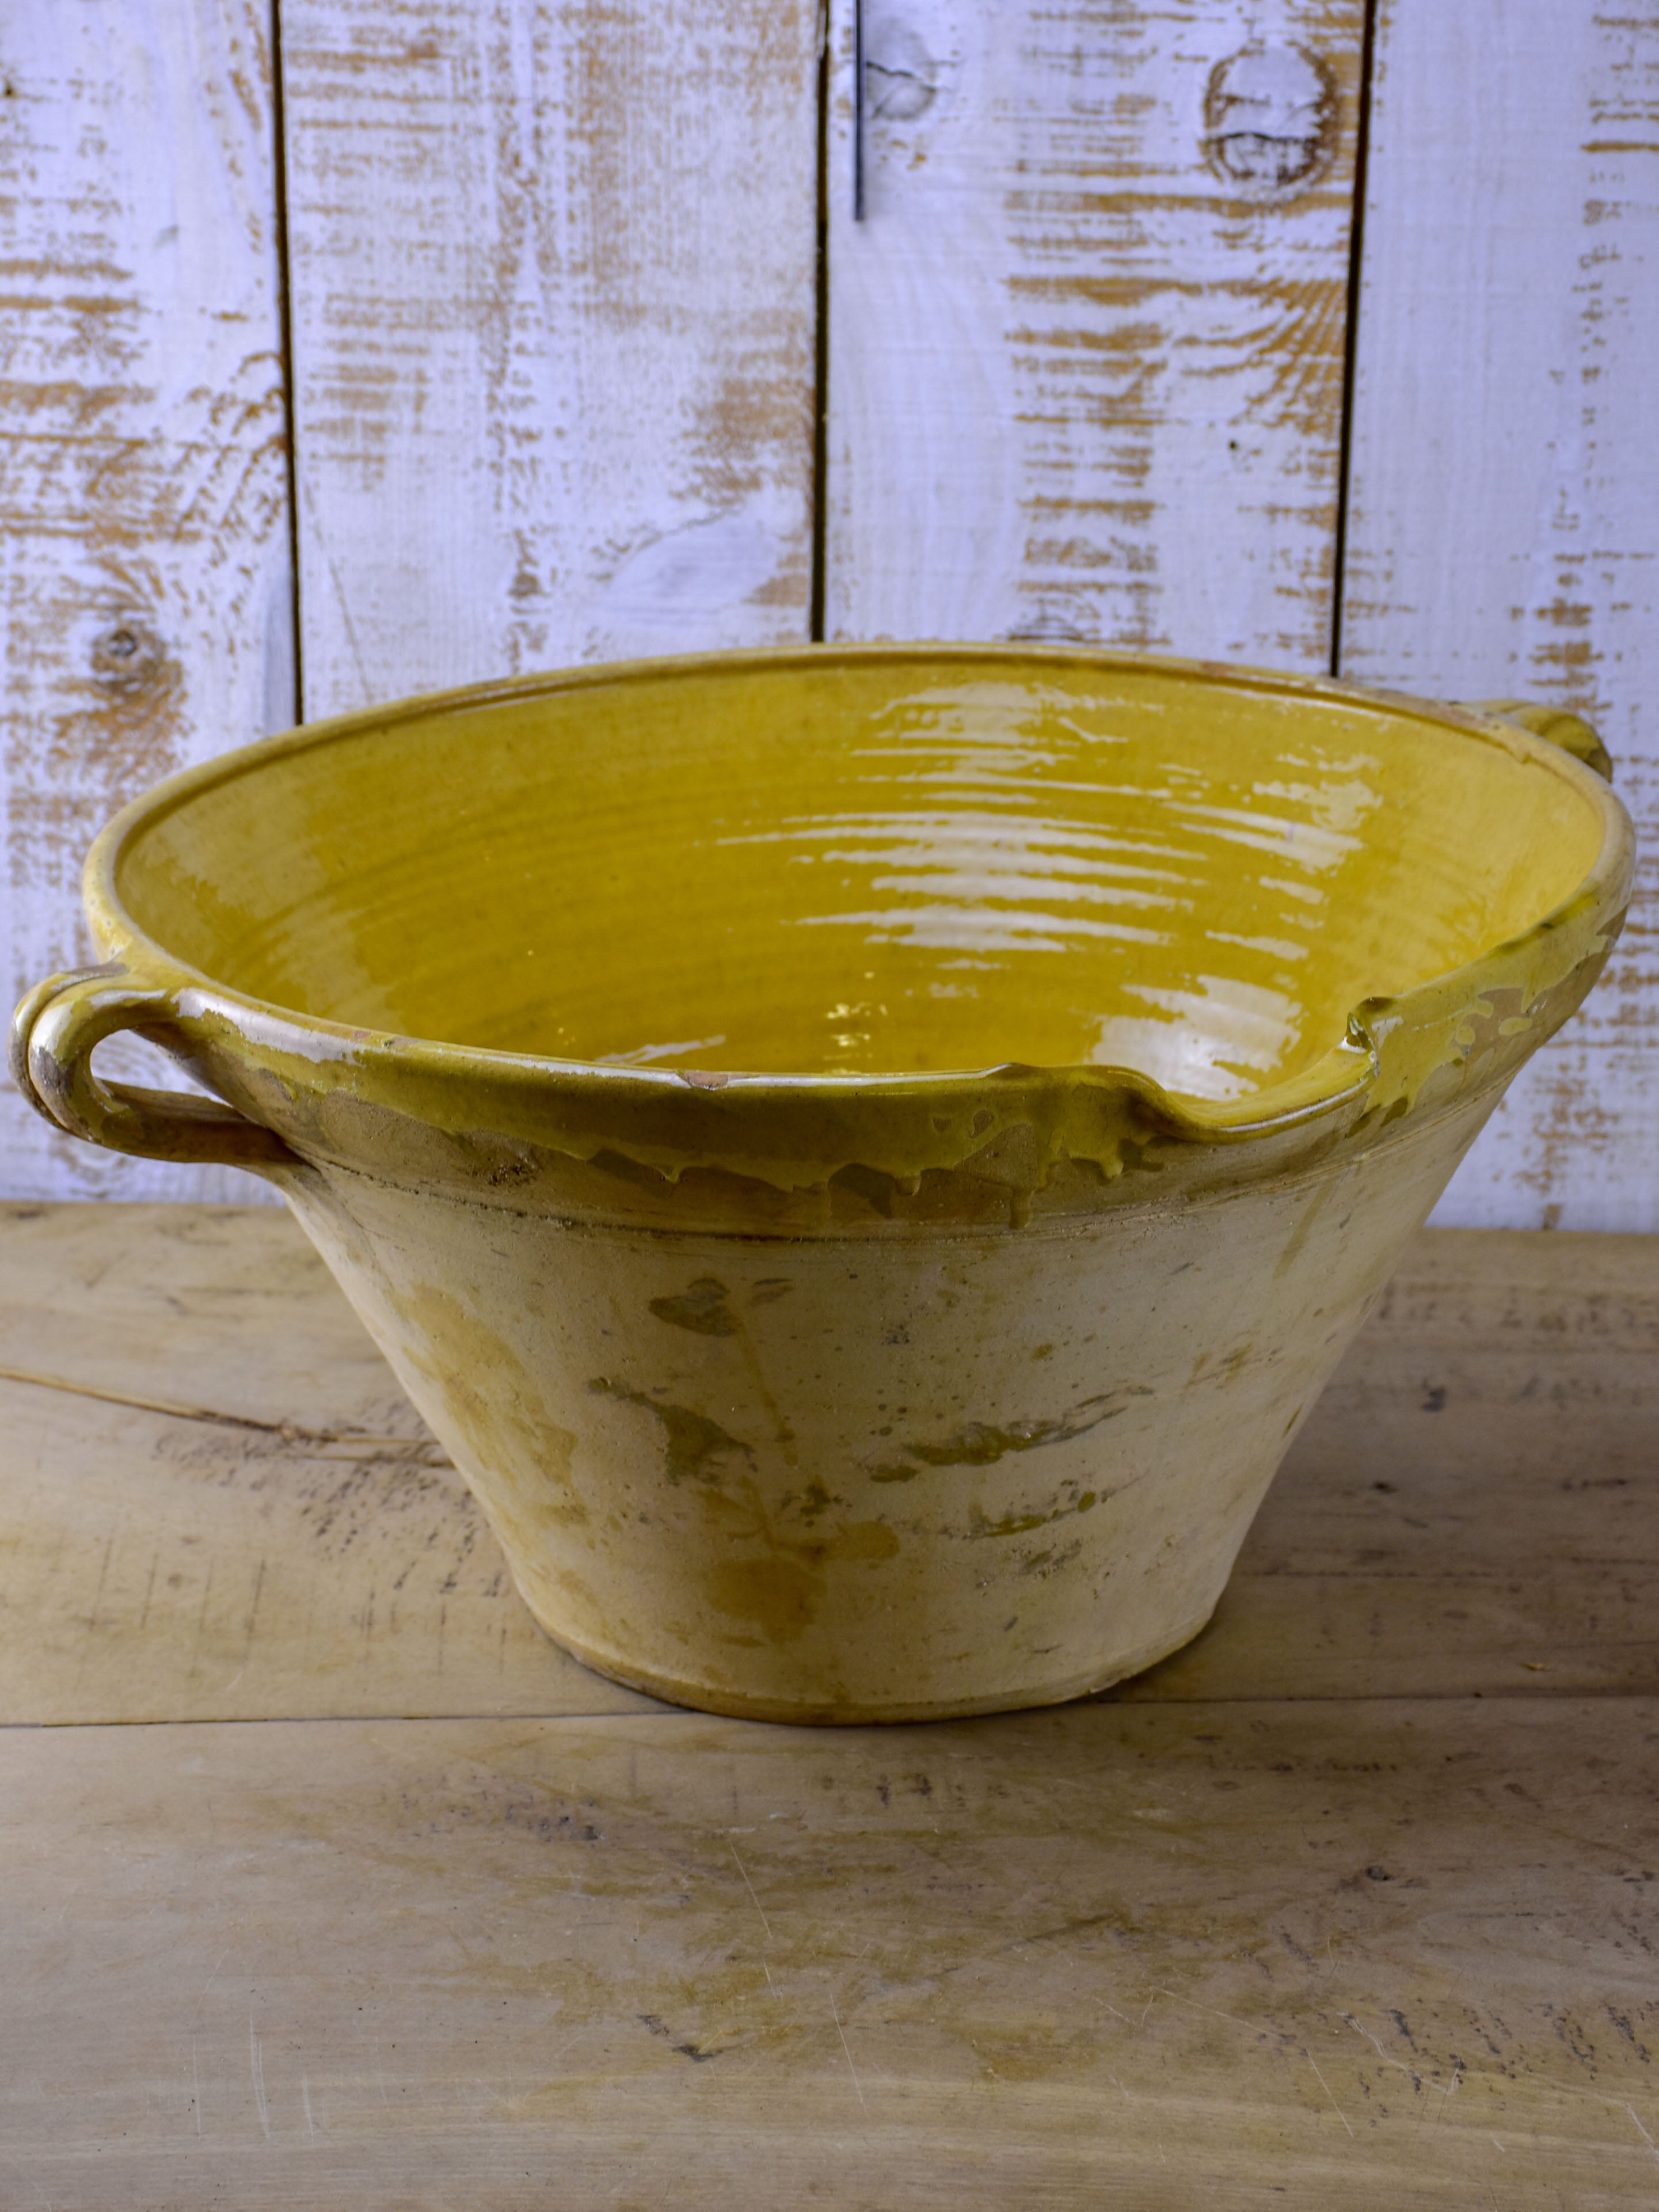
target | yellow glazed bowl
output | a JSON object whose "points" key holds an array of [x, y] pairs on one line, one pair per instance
{"points": [[863, 1156]]}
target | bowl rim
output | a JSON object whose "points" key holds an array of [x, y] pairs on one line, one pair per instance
{"points": [[1588, 916]]}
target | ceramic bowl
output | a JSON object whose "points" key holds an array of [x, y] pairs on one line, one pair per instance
{"points": [[863, 1156]]}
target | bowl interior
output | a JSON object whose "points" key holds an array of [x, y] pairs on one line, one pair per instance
{"points": [[911, 862]]}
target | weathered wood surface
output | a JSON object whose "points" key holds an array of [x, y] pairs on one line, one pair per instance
{"points": [[146, 614], [1372, 1953], [215, 1504], [1086, 350], [1297, 1920], [1502, 536], [553, 310], [286, 1539]]}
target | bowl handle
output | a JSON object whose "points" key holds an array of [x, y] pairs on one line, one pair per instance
{"points": [[53, 1036], [1571, 732]]}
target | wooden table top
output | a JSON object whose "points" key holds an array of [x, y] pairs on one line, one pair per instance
{"points": [[332, 1881]]}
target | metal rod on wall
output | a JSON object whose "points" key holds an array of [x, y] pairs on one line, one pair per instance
{"points": [[857, 111]]}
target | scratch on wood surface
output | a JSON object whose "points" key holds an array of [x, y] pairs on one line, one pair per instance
{"points": [[414, 1447], [256, 2071], [835, 2016], [1417, 2079], [749, 1886], [1326, 2086]]}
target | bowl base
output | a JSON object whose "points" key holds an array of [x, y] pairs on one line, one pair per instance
{"points": [[737, 1704]]}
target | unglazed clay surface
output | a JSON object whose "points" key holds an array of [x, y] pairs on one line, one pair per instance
{"points": [[864, 1156], [878, 1476]]}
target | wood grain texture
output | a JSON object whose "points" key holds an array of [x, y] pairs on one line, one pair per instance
{"points": [[1372, 1954], [552, 281], [1087, 348], [145, 604], [1505, 484], [1268, 1934], [216, 1505], [218, 1496]]}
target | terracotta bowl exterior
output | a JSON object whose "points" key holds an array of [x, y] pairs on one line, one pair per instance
{"points": [[863, 1156]]}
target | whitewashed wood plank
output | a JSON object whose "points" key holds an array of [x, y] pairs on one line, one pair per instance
{"points": [[145, 594], [553, 301], [1504, 537], [1087, 348]]}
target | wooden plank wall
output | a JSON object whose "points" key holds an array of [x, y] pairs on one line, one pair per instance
{"points": [[552, 290], [1087, 345], [1504, 523], [551, 293], [146, 613], [554, 275]]}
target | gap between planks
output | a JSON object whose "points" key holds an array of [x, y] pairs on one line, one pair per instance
{"points": [[289, 1431], [897, 1731]]}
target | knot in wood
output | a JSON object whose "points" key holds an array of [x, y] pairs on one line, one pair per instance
{"points": [[1049, 623], [127, 657], [1270, 117], [900, 77]]}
